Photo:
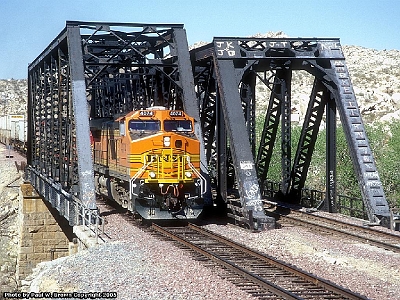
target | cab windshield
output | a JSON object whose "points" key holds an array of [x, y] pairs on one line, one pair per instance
{"points": [[178, 125], [144, 125]]}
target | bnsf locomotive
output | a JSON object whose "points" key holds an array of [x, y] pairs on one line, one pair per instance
{"points": [[148, 161]]}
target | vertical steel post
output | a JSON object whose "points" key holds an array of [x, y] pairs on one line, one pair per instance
{"points": [[247, 94], [190, 101], [245, 171], [286, 135], [222, 154], [330, 153], [81, 118]]}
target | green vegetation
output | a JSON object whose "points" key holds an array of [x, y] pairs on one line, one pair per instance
{"points": [[385, 143]]}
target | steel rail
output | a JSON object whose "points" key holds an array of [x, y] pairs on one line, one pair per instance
{"points": [[367, 229], [262, 258], [311, 278], [367, 238], [236, 269]]}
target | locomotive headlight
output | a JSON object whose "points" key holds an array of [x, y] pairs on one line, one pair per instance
{"points": [[188, 174], [152, 174], [167, 141]]}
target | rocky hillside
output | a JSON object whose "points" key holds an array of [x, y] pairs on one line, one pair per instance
{"points": [[13, 96], [376, 80]]}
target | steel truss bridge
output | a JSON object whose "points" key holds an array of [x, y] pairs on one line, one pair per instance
{"points": [[96, 71]]}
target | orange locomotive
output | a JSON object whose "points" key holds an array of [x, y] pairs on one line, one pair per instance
{"points": [[149, 162]]}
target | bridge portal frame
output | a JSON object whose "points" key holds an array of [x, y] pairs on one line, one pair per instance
{"points": [[221, 70], [92, 72]]}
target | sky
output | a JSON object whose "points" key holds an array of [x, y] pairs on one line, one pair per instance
{"points": [[28, 26]]}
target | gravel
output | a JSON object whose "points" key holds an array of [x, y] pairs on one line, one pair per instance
{"points": [[137, 266]]}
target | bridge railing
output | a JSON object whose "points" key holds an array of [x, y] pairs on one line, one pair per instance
{"points": [[91, 219], [67, 205], [350, 206]]}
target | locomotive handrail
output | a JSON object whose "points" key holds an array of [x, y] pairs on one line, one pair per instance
{"points": [[138, 173], [204, 185]]}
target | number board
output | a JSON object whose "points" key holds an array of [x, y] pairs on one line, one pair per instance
{"points": [[146, 113], [176, 113]]}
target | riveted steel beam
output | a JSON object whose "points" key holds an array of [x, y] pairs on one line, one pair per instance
{"points": [[331, 179], [80, 115], [242, 157], [308, 138], [357, 140], [270, 126]]}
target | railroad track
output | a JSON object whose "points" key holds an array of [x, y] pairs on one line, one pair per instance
{"points": [[363, 234], [258, 274]]}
